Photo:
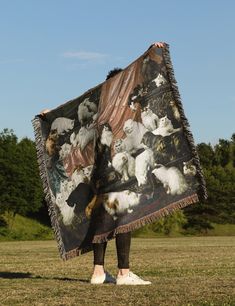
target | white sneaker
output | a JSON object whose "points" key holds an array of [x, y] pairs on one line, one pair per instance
{"points": [[103, 279], [131, 279]]}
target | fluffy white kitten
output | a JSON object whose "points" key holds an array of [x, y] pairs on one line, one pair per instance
{"points": [[124, 164], [134, 132], [106, 136], [62, 125], [121, 202], [160, 80], [85, 135], [149, 119], [172, 179], [165, 127], [143, 163]]}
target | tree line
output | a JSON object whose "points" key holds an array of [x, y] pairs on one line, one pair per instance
{"points": [[21, 189]]}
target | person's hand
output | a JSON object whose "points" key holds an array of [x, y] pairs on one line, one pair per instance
{"points": [[158, 44], [44, 111]]}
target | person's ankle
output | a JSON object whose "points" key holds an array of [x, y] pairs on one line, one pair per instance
{"points": [[123, 272], [98, 270]]}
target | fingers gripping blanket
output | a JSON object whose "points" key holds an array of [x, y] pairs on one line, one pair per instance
{"points": [[119, 156]]}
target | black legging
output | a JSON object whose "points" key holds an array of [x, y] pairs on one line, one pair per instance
{"points": [[123, 243]]}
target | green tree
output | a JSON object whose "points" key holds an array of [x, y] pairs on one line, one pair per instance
{"points": [[20, 186]]}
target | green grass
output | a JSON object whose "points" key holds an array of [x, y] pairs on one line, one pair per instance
{"points": [[183, 271], [219, 230], [23, 228], [28, 229]]}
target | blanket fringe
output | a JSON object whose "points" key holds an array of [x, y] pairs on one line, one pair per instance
{"points": [[45, 183], [202, 193], [147, 219], [135, 224]]}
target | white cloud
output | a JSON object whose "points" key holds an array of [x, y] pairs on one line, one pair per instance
{"points": [[84, 55]]}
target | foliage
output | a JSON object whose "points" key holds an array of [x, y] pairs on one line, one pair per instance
{"points": [[218, 164], [20, 185], [21, 189]]}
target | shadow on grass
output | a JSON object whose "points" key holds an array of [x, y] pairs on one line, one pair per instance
{"points": [[12, 275]]}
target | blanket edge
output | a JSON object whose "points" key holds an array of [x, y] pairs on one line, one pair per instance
{"points": [[45, 184], [202, 192]]}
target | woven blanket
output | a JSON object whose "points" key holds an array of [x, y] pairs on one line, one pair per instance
{"points": [[119, 156]]}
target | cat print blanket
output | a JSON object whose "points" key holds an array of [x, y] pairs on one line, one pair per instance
{"points": [[119, 156]]}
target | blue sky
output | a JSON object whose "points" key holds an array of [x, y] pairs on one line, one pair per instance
{"points": [[54, 50]]}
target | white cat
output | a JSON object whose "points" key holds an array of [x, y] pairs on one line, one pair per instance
{"points": [[62, 125], [120, 202], [67, 211], [172, 179], [64, 151], [149, 119], [143, 163], [82, 175], [85, 135], [86, 111], [134, 132], [160, 80], [165, 127], [119, 146], [106, 136], [124, 164]]}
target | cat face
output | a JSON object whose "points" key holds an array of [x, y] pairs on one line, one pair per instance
{"points": [[118, 144], [87, 170], [164, 121]]}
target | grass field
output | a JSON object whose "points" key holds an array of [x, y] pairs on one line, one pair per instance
{"points": [[183, 271]]}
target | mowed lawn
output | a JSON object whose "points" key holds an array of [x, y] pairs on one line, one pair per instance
{"points": [[183, 271]]}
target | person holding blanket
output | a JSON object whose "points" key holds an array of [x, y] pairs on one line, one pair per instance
{"points": [[123, 242]]}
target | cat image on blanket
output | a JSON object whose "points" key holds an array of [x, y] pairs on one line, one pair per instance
{"points": [[159, 80], [82, 175], [189, 168], [51, 143], [86, 111], [62, 125], [149, 119], [106, 135], [165, 127], [116, 203], [85, 135], [134, 132], [172, 179], [144, 161], [124, 164], [67, 212], [118, 146]]}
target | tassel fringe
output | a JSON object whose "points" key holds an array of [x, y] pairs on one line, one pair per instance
{"points": [[202, 193], [45, 183]]}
